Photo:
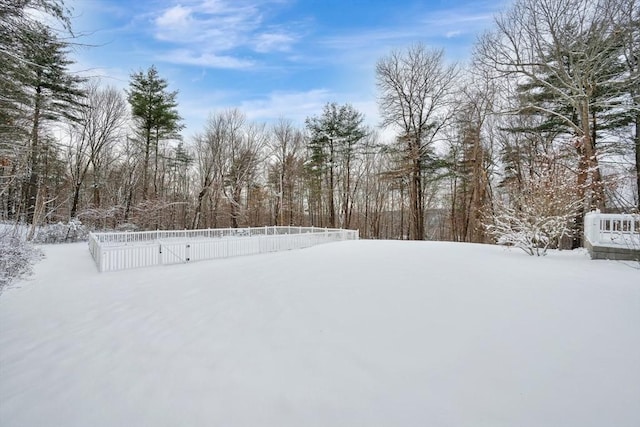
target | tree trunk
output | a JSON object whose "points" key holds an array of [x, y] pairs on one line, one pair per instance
{"points": [[416, 230], [235, 206], [34, 160], [590, 161], [145, 166], [332, 207], [637, 145], [76, 198], [155, 167]]}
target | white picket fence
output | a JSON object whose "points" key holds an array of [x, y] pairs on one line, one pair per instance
{"points": [[612, 230], [120, 251]]}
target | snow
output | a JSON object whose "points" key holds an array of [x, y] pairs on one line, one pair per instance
{"points": [[358, 333]]}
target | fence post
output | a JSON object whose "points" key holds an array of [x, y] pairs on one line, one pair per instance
{"points": [[160, 253]]}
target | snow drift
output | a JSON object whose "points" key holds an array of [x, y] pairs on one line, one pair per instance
{"points": [[370, 333]]}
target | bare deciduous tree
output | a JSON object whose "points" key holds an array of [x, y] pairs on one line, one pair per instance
{"points": [[285, 148], [415, 96], [101, 125]]}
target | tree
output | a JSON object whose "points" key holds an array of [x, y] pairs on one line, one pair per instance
{"points": [[630, 30], [244, 154], [55, 94], [228, 156], [17, 20], [285, 169], [99, 127], [566, 47], [470, 160], [156, 118], [179, 162], [415, 90], [208, 149], [24, 39], [334, 140]]}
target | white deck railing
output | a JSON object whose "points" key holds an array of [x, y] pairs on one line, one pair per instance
{"points": [[612, 230], [120, 251]]}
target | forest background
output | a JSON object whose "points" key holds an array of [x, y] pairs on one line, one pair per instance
{"points": [[540, 126]]}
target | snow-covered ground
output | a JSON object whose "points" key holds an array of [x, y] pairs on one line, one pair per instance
{"points": [[360, 333]]}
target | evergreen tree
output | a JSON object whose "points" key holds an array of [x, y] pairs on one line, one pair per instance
{"points": [[156, 118], [52, 94], [35, 87], [335, 136]]}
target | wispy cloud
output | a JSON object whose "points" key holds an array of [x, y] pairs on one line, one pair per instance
{"points": [[370, 38], [273, 42], [458, 21], [204, 59], [215, 29], [294, 105], [446, 23], [176, 17]]}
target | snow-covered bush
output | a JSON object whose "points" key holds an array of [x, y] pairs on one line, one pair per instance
{"points": [[539, 216], [16, 257], [101, 218], [530, 229], [73, 231], [127, 226]]}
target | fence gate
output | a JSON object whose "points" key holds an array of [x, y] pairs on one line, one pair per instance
{"points": [[173, 253]]}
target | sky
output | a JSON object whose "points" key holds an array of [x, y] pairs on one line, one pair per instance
{"points": [[270, 58]]}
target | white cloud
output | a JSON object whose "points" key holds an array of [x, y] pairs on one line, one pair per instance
{"points": [[176, 17], [454, 19], [205, 59], [269, 42], [213, 31], [296, 106], [434, 25]]}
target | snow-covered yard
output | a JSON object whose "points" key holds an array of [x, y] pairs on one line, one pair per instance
{"points": [[359, 333]]}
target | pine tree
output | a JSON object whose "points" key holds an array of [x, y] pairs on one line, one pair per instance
{"points": [[53, 94], [156, 119], [334, 141], [35, 87]]}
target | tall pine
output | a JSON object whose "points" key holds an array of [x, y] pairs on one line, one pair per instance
{"points": [[156, 118]]}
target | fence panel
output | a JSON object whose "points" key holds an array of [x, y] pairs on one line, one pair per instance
{"points": [[119, 251]]}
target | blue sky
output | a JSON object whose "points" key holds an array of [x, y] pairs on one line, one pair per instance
{"points": [[270, 58]]}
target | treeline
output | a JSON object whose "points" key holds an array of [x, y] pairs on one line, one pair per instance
{"points": [[541, 126]]}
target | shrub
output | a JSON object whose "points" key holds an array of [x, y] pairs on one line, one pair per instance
{"points": [[73, 231], [16, 257]]}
